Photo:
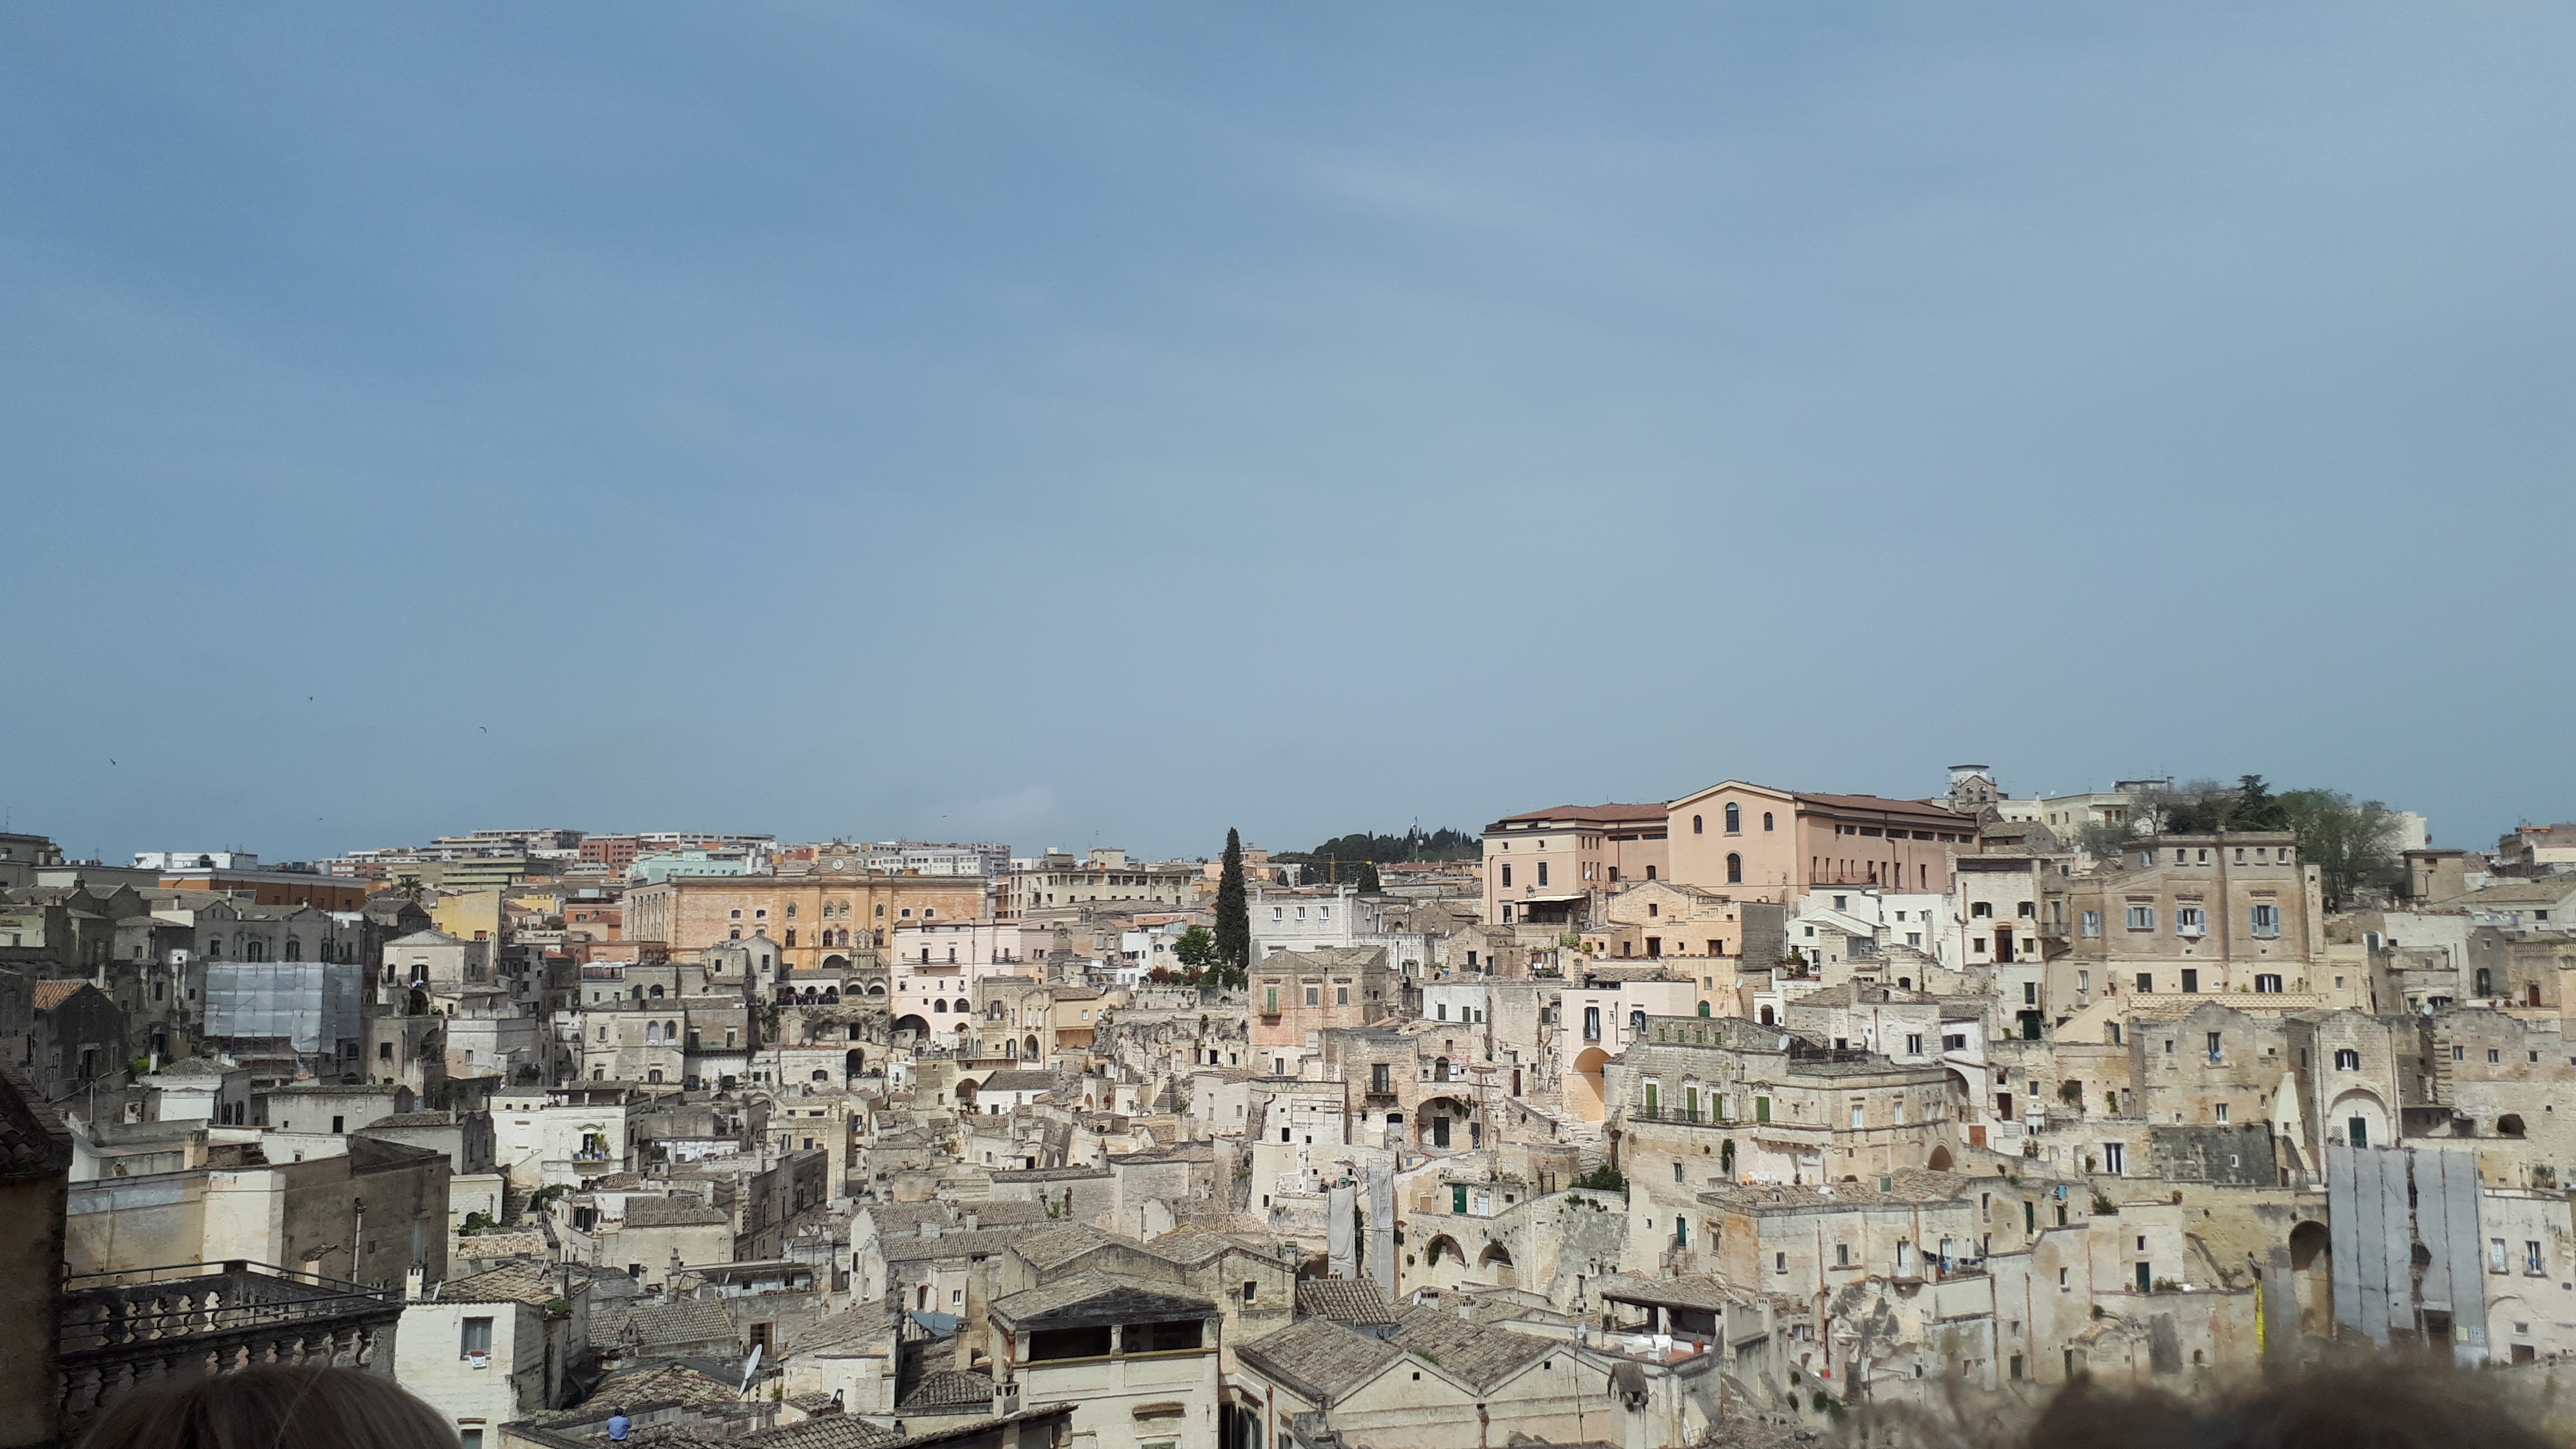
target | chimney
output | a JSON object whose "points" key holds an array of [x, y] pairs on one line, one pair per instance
{"points": [[929, 1228], [971, 1219]]}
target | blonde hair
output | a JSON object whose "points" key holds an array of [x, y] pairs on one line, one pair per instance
{"points": [[274, 1407]]}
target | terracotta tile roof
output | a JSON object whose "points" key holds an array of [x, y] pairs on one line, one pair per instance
{"points": [[1481, 1355], [1920, 809], [1318, 1358], [1590, 814], [518, 1283], [947, 1389], [50, 994], [1343, 1300], [668, 1383], [838, 1431], [673, 1212]]}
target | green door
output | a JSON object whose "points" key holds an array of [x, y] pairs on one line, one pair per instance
{"points": [[1761, 1109], [1457, 1200]]}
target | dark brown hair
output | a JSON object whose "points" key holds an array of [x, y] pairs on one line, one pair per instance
{"points": [[2381, 1402], [274, 1408]]}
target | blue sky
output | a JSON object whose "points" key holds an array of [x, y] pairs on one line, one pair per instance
{"points": [[1114, 423]]}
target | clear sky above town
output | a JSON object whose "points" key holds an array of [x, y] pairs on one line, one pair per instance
{"points": [[1107, 424]]}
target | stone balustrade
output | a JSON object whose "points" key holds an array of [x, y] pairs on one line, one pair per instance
{"points": [[126, 1332]]}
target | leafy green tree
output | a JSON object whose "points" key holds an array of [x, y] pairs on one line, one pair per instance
{"points": [[1604, 1178], [2256, 807], [2205, 807], [1233, 915], [1197, 950], [2354, 847]]}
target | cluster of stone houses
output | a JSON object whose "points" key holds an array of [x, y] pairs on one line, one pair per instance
{"points": [[1754, 1102]]}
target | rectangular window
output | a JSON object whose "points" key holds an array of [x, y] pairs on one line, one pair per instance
{"points": [[1914, 1043], [2495, 1255], [2142, 918], [2266, 982], [477, 1335], [2214, 1045], [2114, 1158], [1271, 1003], [2531, 1258], [2190, 921], [2190, 982], [2092, 925], [2267, 920], [1341, 996], [1592, 1023]]}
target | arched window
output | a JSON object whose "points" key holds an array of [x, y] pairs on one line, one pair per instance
{"points": [[214, 949], [652, 1033], [656, 991], [1734, 818], [670, 1031], [1766, 819], [939, 1006], [1698, 826], [294, 949], [1734, 868], [1703, 1008]]}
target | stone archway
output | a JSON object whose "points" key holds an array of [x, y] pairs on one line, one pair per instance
{"points": [[1583, 1090], [1940, 1159], [1496, 1263], [2312, 1276]]}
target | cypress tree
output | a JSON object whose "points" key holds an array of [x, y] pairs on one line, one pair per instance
{"points": [[1233, 912], [1368, 881]]}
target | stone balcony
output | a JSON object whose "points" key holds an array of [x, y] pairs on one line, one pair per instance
{"points": [[123, 1332]]}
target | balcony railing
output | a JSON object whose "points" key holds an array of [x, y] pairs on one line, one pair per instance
{"points": [[125, 1331], [1682, 1116]]}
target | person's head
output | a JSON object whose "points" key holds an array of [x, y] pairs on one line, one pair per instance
{"points": [[2380, 1402], [273, 1408]]}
